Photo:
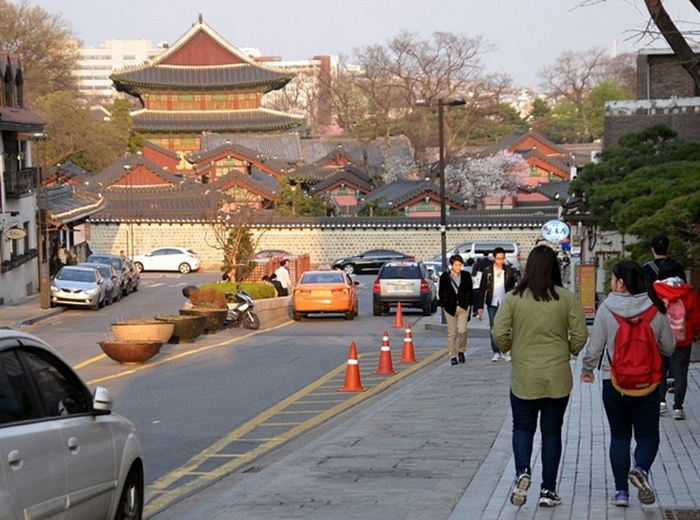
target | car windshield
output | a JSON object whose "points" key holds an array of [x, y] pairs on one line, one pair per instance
{"points": [[401, 271], [76, 275], [114, 262], [322, 278]]}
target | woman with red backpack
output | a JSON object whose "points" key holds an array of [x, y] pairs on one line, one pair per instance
{"points": [[683, 313], [631, 308]]}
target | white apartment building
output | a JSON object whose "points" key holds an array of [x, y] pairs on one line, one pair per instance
{"points": [[97, 63]]}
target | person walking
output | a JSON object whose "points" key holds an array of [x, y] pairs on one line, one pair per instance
{"points": [[476, 284], [497, 279], [683, 312], [628, 415], [456, 294], [542, 324], [284, 278]]}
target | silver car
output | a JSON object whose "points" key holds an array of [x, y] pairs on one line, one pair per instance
{"points": [[63, 453], [113, 291], [80, 286], [408, 283]]}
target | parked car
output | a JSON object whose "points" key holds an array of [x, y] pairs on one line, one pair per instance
{"points": [[408, 283], [168, 259], [109, 275], [79, 286], [119, 264], [478, 249], [371, 260], [64, 452], [325, 292]]}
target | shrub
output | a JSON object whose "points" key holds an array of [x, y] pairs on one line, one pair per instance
{"points": [[258, 291], [208, 298]]}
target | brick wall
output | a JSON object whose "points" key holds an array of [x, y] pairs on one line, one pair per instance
{"points": [[322, 245], [661, 76]]}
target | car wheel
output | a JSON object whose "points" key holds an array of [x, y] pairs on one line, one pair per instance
{"points": [[434, 306], [427, 309], [350, 315], [349, 268], [131, 501], [125, 291], [184, 268], [297, 316], [95, 307], [138, 266], [377, 310]]}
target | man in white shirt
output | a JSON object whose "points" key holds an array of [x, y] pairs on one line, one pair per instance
{"points": [[284, 278], [496, 281]]}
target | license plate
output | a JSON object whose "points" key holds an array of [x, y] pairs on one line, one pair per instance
{"points": [[321, 292]]}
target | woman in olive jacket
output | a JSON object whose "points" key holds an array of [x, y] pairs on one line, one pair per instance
{"points": [[542, 325]]}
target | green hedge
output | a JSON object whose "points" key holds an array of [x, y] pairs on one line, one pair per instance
{"points": [[259, 291]]}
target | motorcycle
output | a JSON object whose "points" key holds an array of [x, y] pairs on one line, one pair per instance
{"points": [[240, 311]]}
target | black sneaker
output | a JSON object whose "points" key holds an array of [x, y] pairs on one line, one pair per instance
{"points": [[640, 479], [549, 498], [453, 361], [518, 493], [461, 357]]}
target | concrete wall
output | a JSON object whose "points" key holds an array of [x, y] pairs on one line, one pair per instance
{"points": [[322, 245]]}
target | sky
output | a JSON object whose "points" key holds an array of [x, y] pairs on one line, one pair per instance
{"points": [[527, 34]]}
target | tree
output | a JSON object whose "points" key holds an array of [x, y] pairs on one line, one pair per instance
{"points": [[291, 200], [496, 176], [46, 45], [648, 184]]}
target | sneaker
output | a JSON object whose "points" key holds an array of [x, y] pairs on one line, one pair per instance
{"points": [[678, 414], [496, 357], [518, 493], [453, 361], [506, 356], [671, 386], [549, 498], [622, 499], [461, 357], [639, 479], [663, 410]]}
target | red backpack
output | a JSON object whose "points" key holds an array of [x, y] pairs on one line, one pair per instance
{"points": [[635, 368]]}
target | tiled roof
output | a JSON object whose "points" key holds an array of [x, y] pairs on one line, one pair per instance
{"points": [[511, 141], [70, 170], [401, 191], [554, 190], [353, 177], [375, 151], [65, 204], [327, 166], [191, 121], [123, 166], [168, 77], [14, 119], [558, 161], [161, 150], [253, 184], [284, 147]]}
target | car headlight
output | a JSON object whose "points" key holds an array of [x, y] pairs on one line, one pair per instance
{"points": [[55, 288], [92, 292]]}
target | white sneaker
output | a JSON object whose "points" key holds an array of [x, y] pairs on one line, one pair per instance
{"points": [[506, 356], [663, 409], [678, 415], [496, 357]]}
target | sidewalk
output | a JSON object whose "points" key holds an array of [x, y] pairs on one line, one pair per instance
{"points": [[19, 315], [439, 447]]}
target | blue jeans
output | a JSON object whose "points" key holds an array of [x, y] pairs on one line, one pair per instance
{"points": [[627, 415], [492, 315], [551, 413]]}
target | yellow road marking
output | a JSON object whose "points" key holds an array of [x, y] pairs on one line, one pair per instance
{"points": [[160, 494]]}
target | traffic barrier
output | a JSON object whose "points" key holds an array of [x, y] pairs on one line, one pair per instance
{"points": [[398, 320], [352, 373], [385, 367], [408, 355]]}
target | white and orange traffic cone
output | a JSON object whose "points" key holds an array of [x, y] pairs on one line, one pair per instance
{"points": [[408, 355], [398, 320], [352, 373], [385, 367]]}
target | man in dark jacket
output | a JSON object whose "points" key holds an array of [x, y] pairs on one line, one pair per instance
{"points": [[496, 281], [456, 295]]}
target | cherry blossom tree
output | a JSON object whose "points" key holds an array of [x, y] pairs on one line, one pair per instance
{"points": [[498, 175]]}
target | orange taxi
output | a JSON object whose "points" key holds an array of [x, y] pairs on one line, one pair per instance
{"points": [[325, 292]]}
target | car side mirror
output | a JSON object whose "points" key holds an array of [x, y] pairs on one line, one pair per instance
{"points": [[102, 400]]}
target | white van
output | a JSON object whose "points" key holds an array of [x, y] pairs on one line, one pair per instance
{"points": [[478, 249]]}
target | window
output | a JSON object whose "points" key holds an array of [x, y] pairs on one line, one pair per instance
{"points": [[15, 400]]}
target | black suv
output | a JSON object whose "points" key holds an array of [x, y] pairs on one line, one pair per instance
{"points": [[120, 266], [406, 282]]}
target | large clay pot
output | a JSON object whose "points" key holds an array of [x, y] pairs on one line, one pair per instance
{"points": [[130, 352], [186, 329], [143, 330], [215, 318]]}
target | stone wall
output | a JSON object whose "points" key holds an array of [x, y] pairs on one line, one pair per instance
{"points": [[323, 245]]}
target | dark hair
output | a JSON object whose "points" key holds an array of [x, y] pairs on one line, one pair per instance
{"points": [[273, 276], [631, 273], [660, 244], [456, 258], [283, 262], [541, 275], [497, 251], [669, 268], [265, 278], [470, 261]]}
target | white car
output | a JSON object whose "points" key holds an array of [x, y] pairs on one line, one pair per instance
{"points": [[63, 453], [168, 259]]}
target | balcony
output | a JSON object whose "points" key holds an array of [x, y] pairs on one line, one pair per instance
{"points": [[20, 182]]}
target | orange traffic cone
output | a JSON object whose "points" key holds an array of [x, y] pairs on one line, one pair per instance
{"points": [[386, 367], [398, 321], [408, 356], [352, 373]]}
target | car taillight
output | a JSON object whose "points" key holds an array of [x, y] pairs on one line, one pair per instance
{"points": [[410, 259], [424, 285], [377, 287], [344, 290], [302, 291]]}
